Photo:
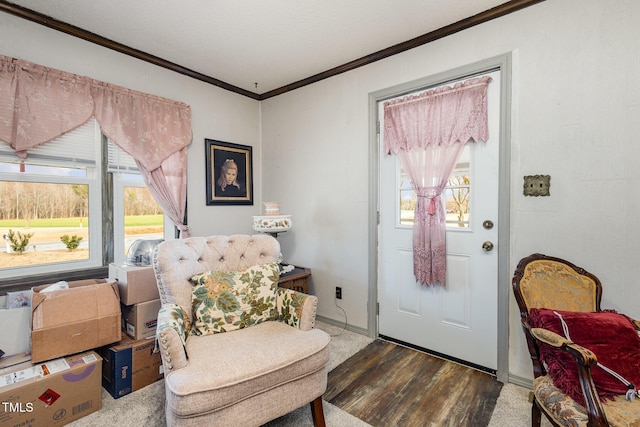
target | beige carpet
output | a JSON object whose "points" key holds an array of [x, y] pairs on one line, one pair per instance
{"points": [[145, 407], [513, 408]]}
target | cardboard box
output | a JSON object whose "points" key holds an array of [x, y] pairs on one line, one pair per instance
{"points": [[83, 317], [9, 361], [53, 393], [130, 365], [15, 324], [139, 320], [135, 284]]}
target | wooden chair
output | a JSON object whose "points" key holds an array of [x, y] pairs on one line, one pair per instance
{"points": [[542, 281]]}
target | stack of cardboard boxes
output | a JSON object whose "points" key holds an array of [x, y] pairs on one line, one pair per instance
{"points": [[60, 381], [134, 362], [69, 344]]}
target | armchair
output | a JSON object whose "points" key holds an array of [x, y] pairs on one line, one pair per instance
{"points": [[247, 376], [542, 282]]}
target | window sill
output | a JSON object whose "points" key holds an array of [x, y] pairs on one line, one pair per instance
{"points": [[27, 282]]}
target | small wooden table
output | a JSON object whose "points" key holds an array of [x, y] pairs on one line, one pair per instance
{"points": [[297, 279]]}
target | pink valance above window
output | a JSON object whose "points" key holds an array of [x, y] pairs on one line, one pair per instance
{"points": [[442, 116], [146, 127], [39, 104]]}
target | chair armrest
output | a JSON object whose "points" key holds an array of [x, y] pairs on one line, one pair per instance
{"points": [[582, 355], [296, 309], [585, 359], [171, 333]]}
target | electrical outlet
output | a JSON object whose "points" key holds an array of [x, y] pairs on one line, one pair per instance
{"points": [[338, 292]]}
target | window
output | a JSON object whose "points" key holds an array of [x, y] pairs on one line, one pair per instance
{"points": [[408, 197], [136, 215], [456, 195], [52, 214]]}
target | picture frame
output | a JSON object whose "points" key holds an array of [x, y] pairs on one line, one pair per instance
{"points": [[229, 170]]}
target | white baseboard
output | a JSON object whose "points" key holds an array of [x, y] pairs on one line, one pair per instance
{"points": [[522, 382]]}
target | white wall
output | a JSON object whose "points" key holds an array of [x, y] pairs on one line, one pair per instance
{"points": [[215, 113], [574, 116], [575, 106]]}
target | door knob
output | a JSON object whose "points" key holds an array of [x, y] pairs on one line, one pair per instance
{"points": [[487, 224], [487, 246]]}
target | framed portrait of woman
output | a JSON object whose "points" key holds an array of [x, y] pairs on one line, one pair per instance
{"points": [[229, 172]]}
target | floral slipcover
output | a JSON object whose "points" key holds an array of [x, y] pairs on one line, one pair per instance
{"points": [[223, 302], [290, 304], [174, 317]]}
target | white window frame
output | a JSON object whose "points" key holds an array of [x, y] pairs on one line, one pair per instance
{"points": [[94, 181], [120, 182]]}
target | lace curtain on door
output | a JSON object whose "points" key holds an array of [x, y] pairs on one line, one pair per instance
{"points": [[428, 132], [38, 104]]}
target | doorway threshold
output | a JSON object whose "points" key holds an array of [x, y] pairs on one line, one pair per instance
{"points": [[439, 355]]}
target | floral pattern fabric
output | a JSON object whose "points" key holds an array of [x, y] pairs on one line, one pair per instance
{"points": [[173, 316], [566, 412], [223, 302], [290, 304]]}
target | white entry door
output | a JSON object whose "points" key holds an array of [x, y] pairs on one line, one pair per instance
{"points": [[459, 320]]}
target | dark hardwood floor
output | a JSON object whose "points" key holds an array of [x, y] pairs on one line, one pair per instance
{"points": [[386, 384]]}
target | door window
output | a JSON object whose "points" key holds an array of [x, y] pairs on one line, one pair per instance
{"points": [[457, 195]]}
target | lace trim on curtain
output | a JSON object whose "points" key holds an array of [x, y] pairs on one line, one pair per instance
{"points": [[429, 265]]}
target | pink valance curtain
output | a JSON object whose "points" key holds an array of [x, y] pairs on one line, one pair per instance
{"points": [[155, 132], [38, 104], [428, 131]]}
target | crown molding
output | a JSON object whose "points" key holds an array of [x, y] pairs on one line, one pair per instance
{"points": [[488, 15]]}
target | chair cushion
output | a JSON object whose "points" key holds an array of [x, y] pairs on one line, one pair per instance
{"points": [[566, 412], [612, 337], [562, 408], [223, 302], [226, 368]]}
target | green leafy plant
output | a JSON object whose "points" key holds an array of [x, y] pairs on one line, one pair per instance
{"points": [[19, 241], [72, 242]]}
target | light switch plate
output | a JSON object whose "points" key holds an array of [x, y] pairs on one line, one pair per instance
{"points": [[536, 185]]}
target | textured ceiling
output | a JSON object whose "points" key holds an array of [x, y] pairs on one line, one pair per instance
{"points": [[269, 42]]}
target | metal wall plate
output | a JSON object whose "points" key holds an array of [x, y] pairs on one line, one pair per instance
{"points": [[536, 185]]}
